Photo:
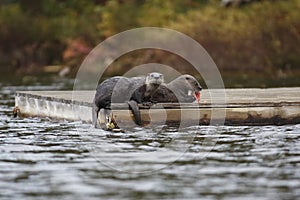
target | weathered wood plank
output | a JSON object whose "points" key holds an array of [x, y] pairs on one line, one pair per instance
{"points": [[242, 106]]}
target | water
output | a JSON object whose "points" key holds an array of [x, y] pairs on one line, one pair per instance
{"points": [[52, 159]]}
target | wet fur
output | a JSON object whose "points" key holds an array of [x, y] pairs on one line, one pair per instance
{"points": [[177, 90], [119, 89]]}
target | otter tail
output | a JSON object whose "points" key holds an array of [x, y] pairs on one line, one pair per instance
{"points": [[133, 106]]}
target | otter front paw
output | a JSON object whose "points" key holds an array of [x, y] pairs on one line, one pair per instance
{"points": [[147, 104]]}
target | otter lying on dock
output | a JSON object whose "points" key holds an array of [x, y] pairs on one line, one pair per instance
{"points": [[144, 93], [183, 89], [121, 89]]}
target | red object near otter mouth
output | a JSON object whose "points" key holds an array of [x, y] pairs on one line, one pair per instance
{"points": [[197, 96]]}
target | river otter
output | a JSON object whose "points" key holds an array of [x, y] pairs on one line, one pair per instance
{"points": [[121, 89], [183, 89], [144, 93]]}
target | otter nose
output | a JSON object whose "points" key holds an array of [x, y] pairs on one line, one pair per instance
{"points": [[197, 86], [155, 76]]}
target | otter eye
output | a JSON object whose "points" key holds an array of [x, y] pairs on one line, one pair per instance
{"points": [[187, 78]]}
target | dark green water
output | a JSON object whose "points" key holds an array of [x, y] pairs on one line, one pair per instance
{"points": [[50, 159]]}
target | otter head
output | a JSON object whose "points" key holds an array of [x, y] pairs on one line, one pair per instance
{"points": [[154, 78], [193, 86]]}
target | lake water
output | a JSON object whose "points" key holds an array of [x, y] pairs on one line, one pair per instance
{"points": [[51, 159]]}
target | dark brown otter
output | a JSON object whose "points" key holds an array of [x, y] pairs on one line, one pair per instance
{"points": [[183, 89], [121, 89]]}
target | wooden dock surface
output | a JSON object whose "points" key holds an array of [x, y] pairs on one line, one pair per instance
{"points": [[251, 106]]}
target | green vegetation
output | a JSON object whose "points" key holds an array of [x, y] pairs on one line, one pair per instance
{"points": [[261, 37]]}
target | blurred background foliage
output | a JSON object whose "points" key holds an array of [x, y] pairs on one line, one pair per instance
{"points": [[258, 38]]}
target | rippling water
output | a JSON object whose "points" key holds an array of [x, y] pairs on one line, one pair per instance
{"points": [[43, 159]]}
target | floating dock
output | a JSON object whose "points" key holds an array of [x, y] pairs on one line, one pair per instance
{"points": [[253, 106]]}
